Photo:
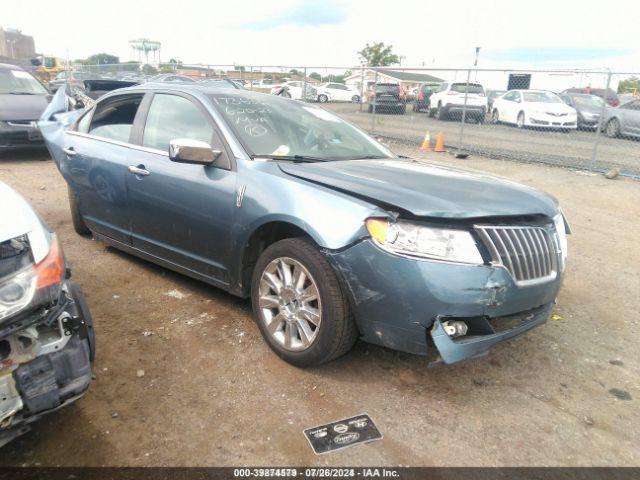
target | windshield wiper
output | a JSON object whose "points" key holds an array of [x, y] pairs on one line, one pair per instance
{"points": [[291, 158], [16, 92]]}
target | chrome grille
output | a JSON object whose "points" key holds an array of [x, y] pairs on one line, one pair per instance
{"points": [[530, 254]]}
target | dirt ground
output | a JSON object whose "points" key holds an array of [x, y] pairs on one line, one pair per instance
{"points": [[212, 392]]}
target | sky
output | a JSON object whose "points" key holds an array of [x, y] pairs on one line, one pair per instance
{"points": [[540, 34]]}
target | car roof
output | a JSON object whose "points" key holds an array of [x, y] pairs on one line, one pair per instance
{"points": [[8, 66]]}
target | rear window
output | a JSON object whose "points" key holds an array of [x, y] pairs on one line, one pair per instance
{"points": [[387, 88], [472, 88]]}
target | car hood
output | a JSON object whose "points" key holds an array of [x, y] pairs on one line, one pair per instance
{"points": [[551, 107], [22, 107], [20, 219], [427, 190]]}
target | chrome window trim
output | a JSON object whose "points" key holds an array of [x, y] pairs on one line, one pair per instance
{"points": [[133, 146]]}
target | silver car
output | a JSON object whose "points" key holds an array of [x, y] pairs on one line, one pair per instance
{"points": [[623, 121]]}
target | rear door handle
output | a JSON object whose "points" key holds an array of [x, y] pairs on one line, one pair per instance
{"points": [[139, 170], [70, 151]]}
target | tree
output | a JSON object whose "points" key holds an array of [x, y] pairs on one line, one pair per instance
{"points": [[378, 55], [315, 76], [149, 69], [629, 85], [102, 59]]}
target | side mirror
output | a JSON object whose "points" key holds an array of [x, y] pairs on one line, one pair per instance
{"points": [[185, 150]]}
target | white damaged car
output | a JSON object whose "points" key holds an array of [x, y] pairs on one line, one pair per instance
{"points": [[47, 342]]}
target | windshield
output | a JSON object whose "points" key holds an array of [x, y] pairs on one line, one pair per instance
{"points": [[20, 82], [496, 93], [541, 97], [273, 126], [587, 101]]}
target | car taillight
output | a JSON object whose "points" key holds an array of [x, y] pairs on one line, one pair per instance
{"points": [[50, 270]]}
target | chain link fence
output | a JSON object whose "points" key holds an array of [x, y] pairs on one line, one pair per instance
{"points": [[572, 118]]}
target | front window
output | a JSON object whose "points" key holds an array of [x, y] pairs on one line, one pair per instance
{"points": [[273, 126], [18, 82], [387, 88], [541, 97], [172, 117]]}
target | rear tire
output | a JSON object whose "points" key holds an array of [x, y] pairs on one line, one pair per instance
{"points": [[440, 115], [323, 98], [355, 99], [335, 332], [431, 112], [78, 223], [495, 116], [403, 110], [520, 120]]}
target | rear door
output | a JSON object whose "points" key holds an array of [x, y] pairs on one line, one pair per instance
{"points": [[181, 213], [97, 160]]}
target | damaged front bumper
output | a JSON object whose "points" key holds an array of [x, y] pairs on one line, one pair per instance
{"points": [[402, 303], [45, 361]]}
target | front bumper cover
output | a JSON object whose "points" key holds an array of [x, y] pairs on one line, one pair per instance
{"points": [[399, 302], [23, 134]]}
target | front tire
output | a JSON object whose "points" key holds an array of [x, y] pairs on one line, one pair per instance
{"points": [[299, 305], [76, 218], [495, 116], [612, 128], [323, 98], [440, 115], [520, 120]]}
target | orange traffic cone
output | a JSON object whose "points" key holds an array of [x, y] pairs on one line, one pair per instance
{"points": [[426, 143], [439, 143]]}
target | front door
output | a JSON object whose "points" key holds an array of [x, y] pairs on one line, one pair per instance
{"points": [[97, 165], [181, 213]]}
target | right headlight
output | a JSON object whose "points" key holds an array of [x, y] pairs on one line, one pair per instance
{"points": [[419, 241]]}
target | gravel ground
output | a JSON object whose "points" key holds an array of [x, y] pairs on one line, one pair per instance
{"points": [[573, 149], [183, 378]]}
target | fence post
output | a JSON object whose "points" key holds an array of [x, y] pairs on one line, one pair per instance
{"points": [[373, 116], [596, 140], [251, 77], [361, 88], [464, 112], [304, 86]]}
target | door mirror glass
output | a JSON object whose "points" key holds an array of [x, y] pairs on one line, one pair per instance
{"points": [[185, 150]]}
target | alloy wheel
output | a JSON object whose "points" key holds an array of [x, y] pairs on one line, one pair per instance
{"points": [[289, 304]]}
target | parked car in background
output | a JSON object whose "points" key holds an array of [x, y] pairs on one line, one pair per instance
{"points": [[609, 95], [22, 101], [491, 96], [221, 83], [623, 121], [387, 97], [589, 108], [336, 92], [47, 342], [297, 90], [171, 78], [331, 235], [449, 100], [534, 108], [422, 98], [73, 77]]}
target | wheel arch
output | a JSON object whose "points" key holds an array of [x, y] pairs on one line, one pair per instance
{"points": [[264, 235]]}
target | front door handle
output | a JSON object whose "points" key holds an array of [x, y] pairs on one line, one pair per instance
{"points": [[70, 151], [139, 170]]}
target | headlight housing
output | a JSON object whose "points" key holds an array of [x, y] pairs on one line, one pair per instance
{"points": [[419, 241], [34, 285], [561, 229]]}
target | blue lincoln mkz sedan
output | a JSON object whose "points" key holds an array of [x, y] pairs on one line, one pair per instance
{"points": [[332, 236]]}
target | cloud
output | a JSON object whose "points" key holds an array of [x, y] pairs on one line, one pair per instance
{"points": [[555, 54], [310, 13]]}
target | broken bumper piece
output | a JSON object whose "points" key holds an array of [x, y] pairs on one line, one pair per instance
{"points": [[45, 362], [483, 333]]}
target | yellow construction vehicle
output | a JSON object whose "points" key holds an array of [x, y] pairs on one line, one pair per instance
{"points": [[48, 69]]}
